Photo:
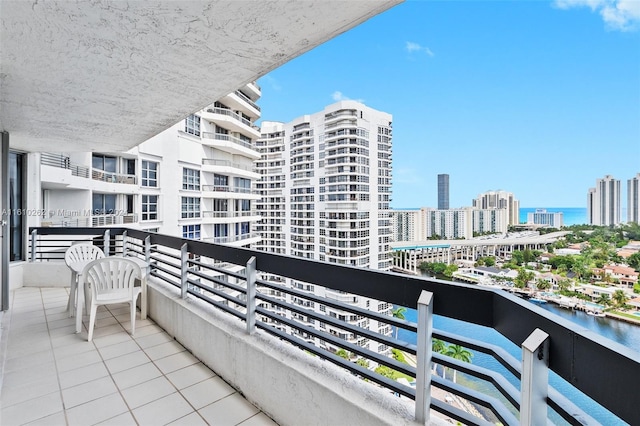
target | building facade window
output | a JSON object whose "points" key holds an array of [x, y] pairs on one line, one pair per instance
{"points": [[104, 162], [16, 206], [190, 207], [190, 179], [149, 207], [149, 173], [220, 180], [242, 228], [192, 125], [104, 204], [220, 230], [220, 205], [191, 231], [242, 184]]}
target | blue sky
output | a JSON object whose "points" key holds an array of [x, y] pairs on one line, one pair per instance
{"points": [[533, 97]]}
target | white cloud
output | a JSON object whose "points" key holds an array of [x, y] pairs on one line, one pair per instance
{"points": [[412, 47], [339, 96], [272, 82], [622, 15]]}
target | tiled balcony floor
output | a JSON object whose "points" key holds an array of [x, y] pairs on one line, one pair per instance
{"points": [[52, 376]]}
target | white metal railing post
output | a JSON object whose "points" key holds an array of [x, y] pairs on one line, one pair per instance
{"points": [[34, 234], [147, 249], [184, 266], [251, 295], [535, 379], [107, 237], [423, 355], [124, 242]]}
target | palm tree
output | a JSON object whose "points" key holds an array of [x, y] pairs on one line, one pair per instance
{"points": [[399, 313], [604, 300], [619, 297], [459, 353], [438, 346]]}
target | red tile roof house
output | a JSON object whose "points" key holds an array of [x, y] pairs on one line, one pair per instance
{"points": [[626, 275]]}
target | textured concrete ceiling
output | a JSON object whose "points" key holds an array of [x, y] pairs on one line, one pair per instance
{"points": [[107, 75]]}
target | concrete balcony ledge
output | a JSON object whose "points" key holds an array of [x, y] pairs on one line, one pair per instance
{"points": [[289, 385]]}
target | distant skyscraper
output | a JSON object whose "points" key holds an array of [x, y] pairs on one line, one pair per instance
{"points": [[603, 202], [500, 200], [633, 199], [443, 192]]}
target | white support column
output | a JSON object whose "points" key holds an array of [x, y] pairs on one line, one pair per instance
{"points": [[535, 379], [107, 238], [184, 266], [251, 295], [423, 368], [34, 235], [124, 243]]}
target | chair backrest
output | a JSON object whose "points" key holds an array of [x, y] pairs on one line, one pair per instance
{"points": [[82, 252], [115, 275]]}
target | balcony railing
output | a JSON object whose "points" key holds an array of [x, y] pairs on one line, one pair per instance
{"points": [[604, 370], [227, 138], [228, 188], [97, 174], [234, 115], [225, 163], [246, 99], [63, 162]]}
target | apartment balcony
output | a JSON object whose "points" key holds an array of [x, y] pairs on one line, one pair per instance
{"points": [[229, 168], [274, 370], [229, 192], [240, 102], [57, 171], [231, 120], [212, 217], [230, 144]]}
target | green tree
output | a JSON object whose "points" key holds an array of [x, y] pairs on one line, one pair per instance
{"points": [[619, 298], [362, 362], [438, 346], [399, 313], [523, 278], [517, 257], [342, 353], [543, 285], [449, 270], [385, 371], [634, 261], [604, 300], [459, 353]]}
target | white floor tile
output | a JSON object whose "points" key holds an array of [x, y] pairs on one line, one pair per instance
{"points": [[207, 392], [163, 411], [231, 410]]}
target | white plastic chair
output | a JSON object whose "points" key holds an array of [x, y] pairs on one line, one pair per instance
{"points": [[79, 252], [112, 280]]}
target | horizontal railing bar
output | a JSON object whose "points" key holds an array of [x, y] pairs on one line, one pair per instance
{"points": [[218, 305], [390, 341], [327, 337], [353, 367], [227, 285], [504, 415], [407, 325], [217, 293], [498, 353], [458, 414], [571, 413], [500, 382]]}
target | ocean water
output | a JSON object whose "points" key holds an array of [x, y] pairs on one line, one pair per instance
{"points": [[570, 215]]}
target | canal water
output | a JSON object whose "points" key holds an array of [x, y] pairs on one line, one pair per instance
{"points": [[618, 331]]}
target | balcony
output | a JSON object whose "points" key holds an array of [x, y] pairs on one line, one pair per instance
{"points": [[231, 120], [230, 144], [229, 168], [54, 376], [217, 314], [111, 177]]}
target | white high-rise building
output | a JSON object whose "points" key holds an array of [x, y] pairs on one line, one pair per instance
{"points": [[192, 180], [603, 202], [543, 217], [447, 224], [633, 199], [325, 190], [407, 225], [500, 200]]}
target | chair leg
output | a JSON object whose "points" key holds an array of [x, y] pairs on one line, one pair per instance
{"points": [[133, 317], [87, 297], [72, 294], [92, 320]]}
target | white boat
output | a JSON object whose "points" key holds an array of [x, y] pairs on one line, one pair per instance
{"points": [[596, 314]]}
